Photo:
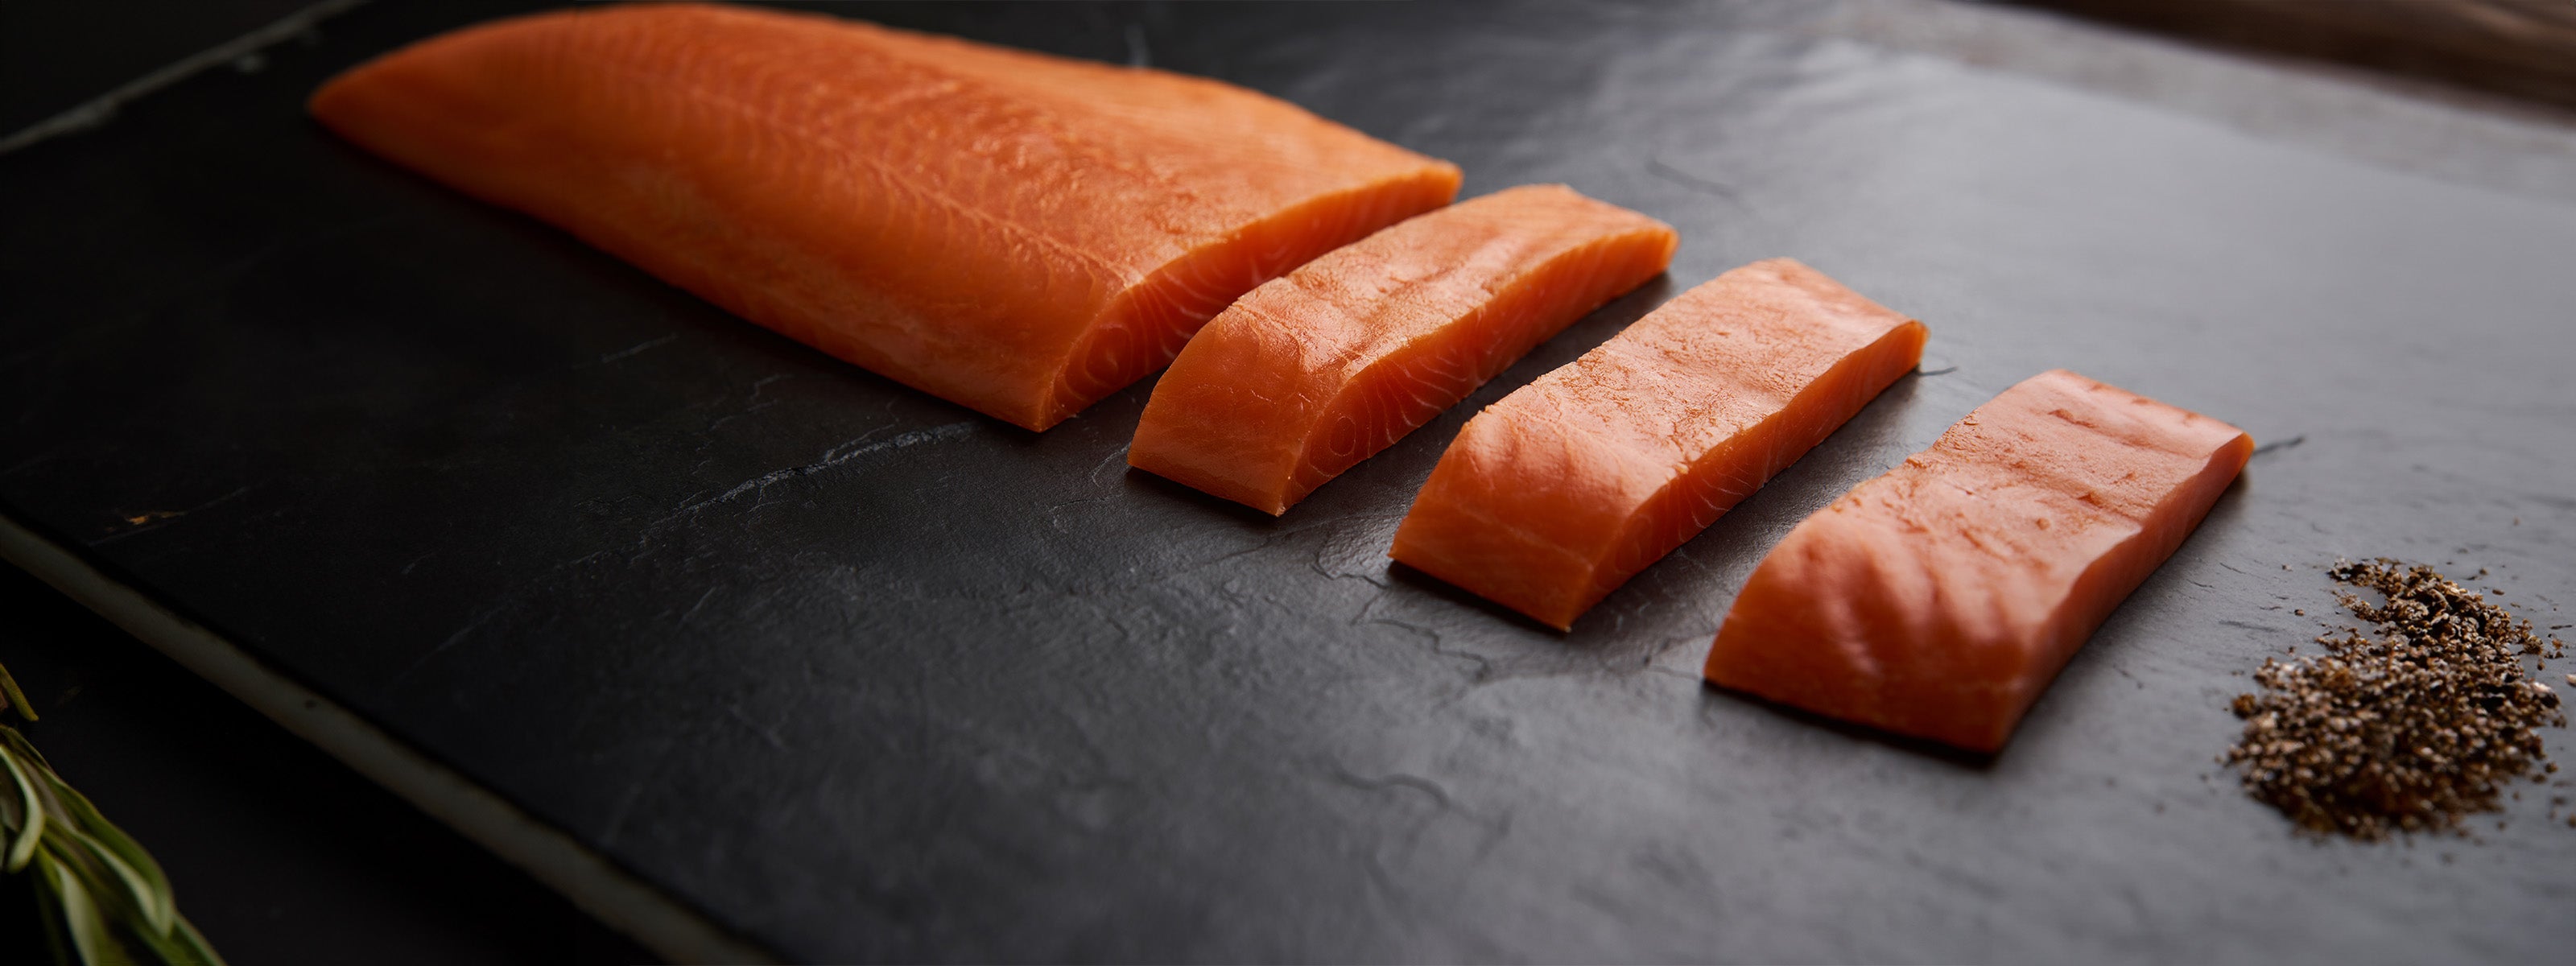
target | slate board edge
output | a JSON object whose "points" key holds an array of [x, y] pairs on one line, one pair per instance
{"points": [[599, 886]]}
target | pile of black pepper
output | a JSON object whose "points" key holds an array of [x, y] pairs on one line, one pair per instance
{"points": [[2412, 730]]}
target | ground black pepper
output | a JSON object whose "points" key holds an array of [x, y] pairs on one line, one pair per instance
{"points": [[2413, 730]]}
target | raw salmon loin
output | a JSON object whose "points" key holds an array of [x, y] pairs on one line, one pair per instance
{"points": [[1019, 233], [1939, 599], [1322, 368], [1555, 496]]}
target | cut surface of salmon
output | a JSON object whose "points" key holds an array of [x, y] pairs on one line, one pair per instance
{"points": [[1019, 233], [1324, 367], [1553, 497], [1940, 599]]}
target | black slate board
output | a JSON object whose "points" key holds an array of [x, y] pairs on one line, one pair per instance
{"points": [[867, 676]]}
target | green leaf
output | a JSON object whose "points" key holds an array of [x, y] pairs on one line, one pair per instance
{"points": [[12, 697], [102, 897], [90, 936], [142, 876], [13, 811], [189, 947], [31, 805], [25, 749], [182, 946], [152, 905], [49, 914]]}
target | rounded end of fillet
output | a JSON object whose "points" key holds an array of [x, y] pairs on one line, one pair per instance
{"points": [[340, 96], [325, 101], [358, 92], [349, 94]]}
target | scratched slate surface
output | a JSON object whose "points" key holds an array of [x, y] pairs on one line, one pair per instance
{"points": [[867, 676]]}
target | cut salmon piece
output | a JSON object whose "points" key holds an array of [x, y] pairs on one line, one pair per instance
{"points": [[1018, 233], [1940, 599], [1322, 368], [1556, 495]]}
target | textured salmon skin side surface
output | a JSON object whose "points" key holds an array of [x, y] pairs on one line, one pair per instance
{"points": [[1553, 497], [1938, 600], [1324, 367], [1018, 233]]}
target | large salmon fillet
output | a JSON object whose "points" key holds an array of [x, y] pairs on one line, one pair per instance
{"points": [[1940, 599], [1019, 233], [1556, 495], [1322, 368]]}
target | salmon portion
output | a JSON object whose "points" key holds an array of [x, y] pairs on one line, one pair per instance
{"points": [[1556, 495], [1018, 233], [1322, 368], [1939, 599]]}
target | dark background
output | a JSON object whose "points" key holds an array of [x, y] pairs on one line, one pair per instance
{"points": [[943, 690]]}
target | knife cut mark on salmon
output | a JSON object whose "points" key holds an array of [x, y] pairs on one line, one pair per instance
{"points": [[1556, 495], [1940, 599], [1019, 233], [1324, 367]]}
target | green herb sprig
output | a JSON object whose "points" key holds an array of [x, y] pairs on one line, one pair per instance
{"points": [[102, 899]]}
